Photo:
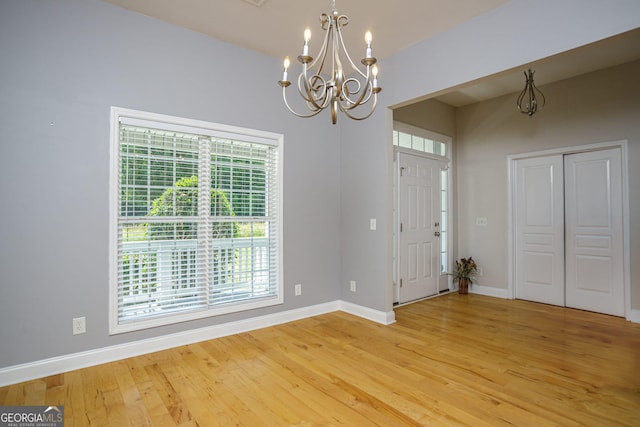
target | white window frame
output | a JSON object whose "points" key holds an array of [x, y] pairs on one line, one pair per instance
{"points": [[190, 126], [427, 134]]}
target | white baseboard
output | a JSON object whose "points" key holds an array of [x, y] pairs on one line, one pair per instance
{"points": [[489, 291], [385, 318], [69, 362], [634, 316]]}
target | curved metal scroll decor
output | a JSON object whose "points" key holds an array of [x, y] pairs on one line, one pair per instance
{"points": [[530, 100], [323, 83]]}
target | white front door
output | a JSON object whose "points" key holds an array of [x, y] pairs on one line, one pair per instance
{"points": [[540, 230], [419, 217], [594, 248]]}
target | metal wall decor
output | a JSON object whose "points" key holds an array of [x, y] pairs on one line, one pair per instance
{"points": [[530, 100], [323, 82]]}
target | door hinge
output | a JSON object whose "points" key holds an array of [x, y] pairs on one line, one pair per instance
{"points": [[401, 227], [400, 282]]}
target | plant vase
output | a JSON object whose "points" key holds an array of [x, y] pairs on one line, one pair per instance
{"points": [[463, 286]]}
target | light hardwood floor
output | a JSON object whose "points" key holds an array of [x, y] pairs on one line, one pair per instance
{"points": [[454, 360]]}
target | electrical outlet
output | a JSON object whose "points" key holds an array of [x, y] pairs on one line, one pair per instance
{"points": [[298, 289], [79, 325], [352, 285], [372, 224], [481, 221]]}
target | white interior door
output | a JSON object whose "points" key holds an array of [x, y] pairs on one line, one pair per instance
{"points": [[419, 216], [569, 232], [594, 234], [539, 229]]}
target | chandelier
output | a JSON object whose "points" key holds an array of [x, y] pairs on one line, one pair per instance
{"points": [[531, 96], [323, 82]]}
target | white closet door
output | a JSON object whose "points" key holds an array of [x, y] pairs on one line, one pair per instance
{"points": [[594, 233], [539, 228]]}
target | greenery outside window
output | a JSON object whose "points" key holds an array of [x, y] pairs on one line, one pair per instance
{"points": [[195, 220]]}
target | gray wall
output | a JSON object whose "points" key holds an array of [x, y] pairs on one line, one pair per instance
{"points": [[597, 107], [365, 169], [64, 64], [592, 108], [488, 44], [431, 114], [500, 40]]}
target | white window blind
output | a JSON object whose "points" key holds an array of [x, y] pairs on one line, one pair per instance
{"points": [[196, 220]]}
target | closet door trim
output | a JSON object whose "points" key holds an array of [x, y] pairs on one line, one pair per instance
{"points": [[511, 170]]}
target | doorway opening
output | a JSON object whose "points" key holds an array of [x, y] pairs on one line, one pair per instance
{"points": [[422, 212]]}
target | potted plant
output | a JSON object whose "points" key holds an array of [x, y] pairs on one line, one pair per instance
{"points": [[466, 268]]}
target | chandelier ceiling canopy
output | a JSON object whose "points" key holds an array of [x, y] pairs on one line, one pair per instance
{"points": [[324, 83]]}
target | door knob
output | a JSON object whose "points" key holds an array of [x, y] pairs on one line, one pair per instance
{"points": [[437, 234]]}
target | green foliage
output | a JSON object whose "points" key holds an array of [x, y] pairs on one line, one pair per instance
{"points": [[182, 200]]}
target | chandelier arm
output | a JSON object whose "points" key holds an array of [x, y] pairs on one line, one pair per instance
{"points": [[544, 100], [532, 101], [346, 102], [313, 112], [365, 91], [520, 99], [308, 93], [305, 82], [351, 116], [323, 50], [346, 53]]}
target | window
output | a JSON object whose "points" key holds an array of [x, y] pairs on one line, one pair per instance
{"points": [[444, 221], [405, 139], [195, 220]]}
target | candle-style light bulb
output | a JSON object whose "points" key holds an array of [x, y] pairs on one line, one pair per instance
{"points": [[367, 38], [374, 72], [307, 37], [286, 67]]}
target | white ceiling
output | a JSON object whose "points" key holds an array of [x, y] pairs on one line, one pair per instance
{"points": [[275, 27]]}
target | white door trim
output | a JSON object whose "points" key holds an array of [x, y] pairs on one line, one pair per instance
{"points": [[511, 199]]}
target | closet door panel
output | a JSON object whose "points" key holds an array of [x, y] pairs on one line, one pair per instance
{"points": [[539, 229], [594, 232]]}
